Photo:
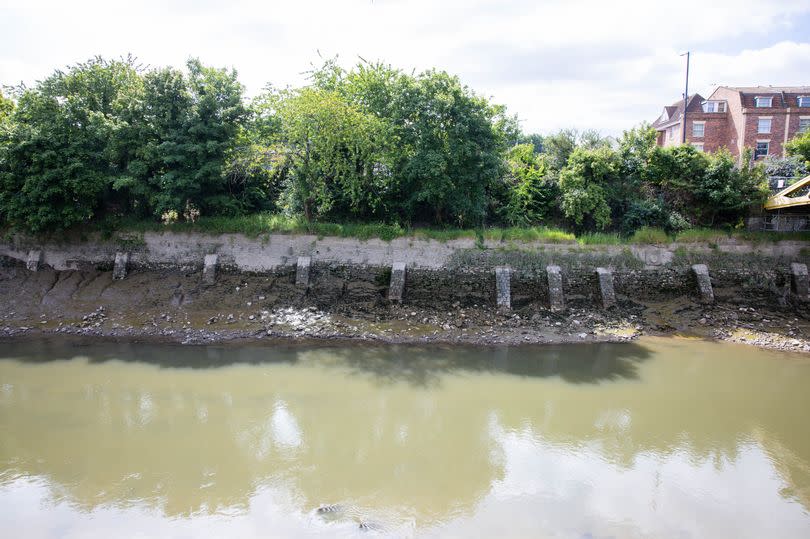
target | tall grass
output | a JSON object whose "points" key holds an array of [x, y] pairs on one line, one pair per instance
{"points": [[650, 235], [265, 223], [696, 235]]}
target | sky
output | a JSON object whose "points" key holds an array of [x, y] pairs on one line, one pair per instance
{"points": [[589, 64]]}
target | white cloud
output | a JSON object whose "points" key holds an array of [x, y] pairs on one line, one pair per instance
{"points": [[556, 63]]}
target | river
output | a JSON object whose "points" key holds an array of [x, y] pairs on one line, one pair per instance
{"points": [[665, 438]]}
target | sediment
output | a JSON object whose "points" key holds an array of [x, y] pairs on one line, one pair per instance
{"points": [[450, 295]]}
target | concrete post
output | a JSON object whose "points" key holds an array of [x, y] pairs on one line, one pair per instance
{"points": [[556, 298], [704, 283], [302, 272], [503, 288], [121, 263], [210, 264], [605, 278], [397, 285], [34, 260], [798, 280]]}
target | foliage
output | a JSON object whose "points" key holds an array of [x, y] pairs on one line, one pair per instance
{"points": [[331, 149], [525, 194], [372, 147], [71, 142], [583, 183], [785, 167], [649, 235], [799, 146]]}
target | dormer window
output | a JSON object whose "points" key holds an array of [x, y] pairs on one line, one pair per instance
{"points": [[664, 116], [804, 100], [714, 106], [763, 101]]}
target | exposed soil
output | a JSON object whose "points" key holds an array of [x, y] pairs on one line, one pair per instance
{"points": [[176, 306]]}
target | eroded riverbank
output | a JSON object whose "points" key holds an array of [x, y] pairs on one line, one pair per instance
{"points": [[175, 306]]}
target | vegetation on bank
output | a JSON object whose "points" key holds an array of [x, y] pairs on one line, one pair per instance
{"points": [[256, 225], [387, 153]]}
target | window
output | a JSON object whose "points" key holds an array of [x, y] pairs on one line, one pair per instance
{"points": [[762, 149], [804, 125], [763, 101], [804, 101], [764, 125], [714, 106], [698, 128], [698, 146]]}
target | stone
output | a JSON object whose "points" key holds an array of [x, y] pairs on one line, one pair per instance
{"points": [[210, 264], [704, 283], [798, 280], [556, 298], [34, 260], [503, 283], [397, 285], [605, 278], [302, 271], [121, 263]]}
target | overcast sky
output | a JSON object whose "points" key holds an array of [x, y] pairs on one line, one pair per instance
{"points": [[599, 64]]}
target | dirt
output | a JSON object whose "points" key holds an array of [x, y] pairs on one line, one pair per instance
{"points": [[176, 306]]}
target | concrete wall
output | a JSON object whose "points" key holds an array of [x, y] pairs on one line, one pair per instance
{"points": [[275, 251]]}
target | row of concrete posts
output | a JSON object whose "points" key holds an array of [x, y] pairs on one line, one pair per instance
{"points": [[800, 287]]}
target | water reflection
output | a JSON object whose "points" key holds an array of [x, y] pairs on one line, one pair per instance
{"points": [[663, 438]]}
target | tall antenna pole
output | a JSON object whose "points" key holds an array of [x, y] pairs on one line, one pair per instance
{"points": [[685, 99]]}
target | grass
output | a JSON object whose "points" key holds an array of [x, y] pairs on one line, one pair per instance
{"points": [[649, 235], [263, 223], [535, 233], [706, 235], [600, 238]]}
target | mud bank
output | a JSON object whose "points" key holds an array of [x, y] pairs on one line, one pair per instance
{"points": [[451, 305]]}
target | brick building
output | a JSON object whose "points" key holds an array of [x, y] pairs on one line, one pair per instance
{"points": [[762, 118]]}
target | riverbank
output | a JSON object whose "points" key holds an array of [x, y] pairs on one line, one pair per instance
{"points": [[174, 306]]}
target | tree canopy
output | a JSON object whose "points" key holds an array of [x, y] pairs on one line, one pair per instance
{"points": [[108, 139]]}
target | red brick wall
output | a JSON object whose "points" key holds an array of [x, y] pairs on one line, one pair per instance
{"points": [[777, 134], [715, 130]]}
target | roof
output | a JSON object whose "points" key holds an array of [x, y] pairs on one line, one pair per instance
{"points": [[675, 111], [770, 89]]}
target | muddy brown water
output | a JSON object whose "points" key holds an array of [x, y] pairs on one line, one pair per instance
{"points": [[664, 438]]}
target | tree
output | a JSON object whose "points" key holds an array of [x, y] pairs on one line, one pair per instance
{"points": [[6, 108], [331, 150], [559, 147], [583, 183], [725, 191], [210, 113], [68, 145], [800, 147], [443, 143], [525, 195], [785, 167]]}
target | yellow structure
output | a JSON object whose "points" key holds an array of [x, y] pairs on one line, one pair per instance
{"points": [[797, 194]]}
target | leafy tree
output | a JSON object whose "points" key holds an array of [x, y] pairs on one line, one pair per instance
{"points": [[785, 167], [330, 149], [525, 195], [584, 182], [6, 108], [559, 147], [535, 139], [194, 150], [68, 147], [443, 143], [800, 146], [725, 192]]}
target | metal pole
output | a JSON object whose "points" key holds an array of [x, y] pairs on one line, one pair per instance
{"points": [[685, 100]]}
